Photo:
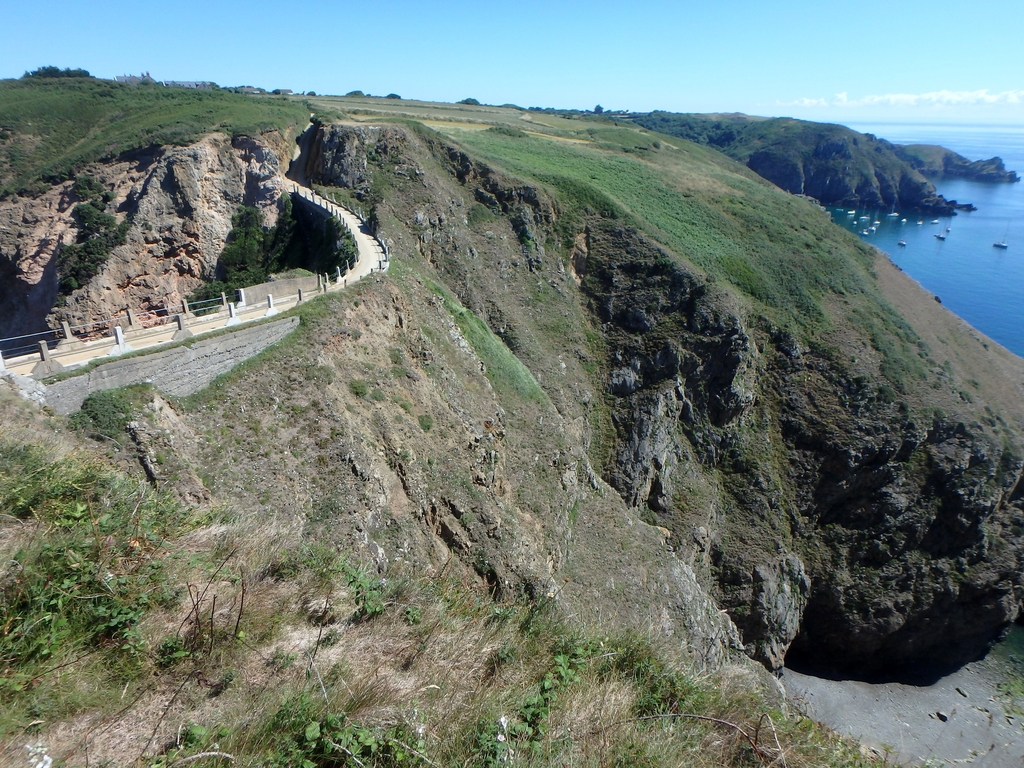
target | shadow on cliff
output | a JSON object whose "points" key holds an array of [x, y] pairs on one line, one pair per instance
{"points": [[24, 310]]}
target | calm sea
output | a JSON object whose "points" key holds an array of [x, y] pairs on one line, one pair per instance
{"points": [[981, 283]]}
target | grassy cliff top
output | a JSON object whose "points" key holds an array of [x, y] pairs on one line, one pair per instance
{"points": [[50, 127]]}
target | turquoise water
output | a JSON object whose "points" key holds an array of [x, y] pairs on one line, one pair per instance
{"points": [[982, 284]]}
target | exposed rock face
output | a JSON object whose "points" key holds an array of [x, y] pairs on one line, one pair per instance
{"points": [[515, 527], [337, 154], [917, 562], [31, 230], [830, 521], [180, 200]]}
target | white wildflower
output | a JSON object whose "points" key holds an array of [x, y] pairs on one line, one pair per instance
{"points": [[37, 757]]}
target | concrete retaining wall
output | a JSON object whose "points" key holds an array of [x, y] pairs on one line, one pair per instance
{"points": [[180, 371], [257, 294]]}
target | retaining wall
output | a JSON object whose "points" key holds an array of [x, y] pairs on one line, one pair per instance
{"points": [[179, 371], [257, 294]]}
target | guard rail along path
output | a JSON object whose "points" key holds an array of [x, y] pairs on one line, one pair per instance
{"points": [[47, 353]]}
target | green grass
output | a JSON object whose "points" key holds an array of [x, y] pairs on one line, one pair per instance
{"points": [[505, 371], [780, 251], [51, 128], [81, 585]]}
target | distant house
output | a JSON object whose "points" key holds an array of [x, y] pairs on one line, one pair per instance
{"points": [[282, 91], [134, 79], [249, 89], [197, 85]]}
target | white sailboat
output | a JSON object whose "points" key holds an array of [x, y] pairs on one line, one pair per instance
{"points": [[1002, 243]]}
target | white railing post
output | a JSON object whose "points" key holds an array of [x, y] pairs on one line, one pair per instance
{"points": [[182, 332], [232, 316], [46, 366], [2, 366], [240, 296], [270, 306], [120, 347]]}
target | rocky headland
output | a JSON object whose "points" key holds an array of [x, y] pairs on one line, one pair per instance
{"points": [[832, 163], [933, 160]]}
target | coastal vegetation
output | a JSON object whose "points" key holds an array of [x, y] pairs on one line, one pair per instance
{"points": [[115, 597], [51, 127], [831, 163], [783, 253], [98, 233], [621, 427]]}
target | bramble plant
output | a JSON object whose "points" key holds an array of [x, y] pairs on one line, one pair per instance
{"points": [[367, 590]]}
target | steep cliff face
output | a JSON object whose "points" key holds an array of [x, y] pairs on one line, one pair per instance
{"points": [[657, 447], [830, 520], [865, 528], [501, 485], [31, 230], [180, 201]]}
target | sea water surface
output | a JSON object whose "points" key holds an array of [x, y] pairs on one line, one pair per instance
{"points": [[982, 284]]}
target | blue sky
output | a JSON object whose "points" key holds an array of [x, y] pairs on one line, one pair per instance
{"points": [[937, 61]]}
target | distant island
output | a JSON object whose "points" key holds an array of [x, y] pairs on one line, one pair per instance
{"points": [[832, 163]]}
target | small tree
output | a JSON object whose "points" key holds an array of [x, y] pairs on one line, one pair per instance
{"points": [[471, 102], [598, 109], [57, 72]]}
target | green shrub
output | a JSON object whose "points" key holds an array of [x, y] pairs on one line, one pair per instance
{"points": [[57, 72], [426, 422], [358, 387], [367, 591], [108, 411], [72, 120], [91, 573], [98, 235], [480, 214]]}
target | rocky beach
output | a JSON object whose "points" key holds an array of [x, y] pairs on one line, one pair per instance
{"points": [[963, 718]]}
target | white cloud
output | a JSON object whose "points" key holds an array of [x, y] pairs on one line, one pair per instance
{"points": [[939, 99]]}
